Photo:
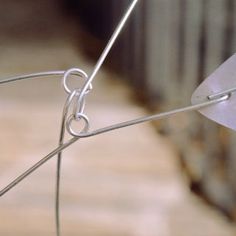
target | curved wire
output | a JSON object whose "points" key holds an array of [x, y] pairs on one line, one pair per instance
{"points": [[37, 165], [98, 64], [35, 75], [74, 71], [152, 117], [58, 151], [108, 129], [59, 160], [32, 76]]}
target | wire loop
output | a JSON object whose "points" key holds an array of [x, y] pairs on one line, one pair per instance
{"points": [[74, 71], [79, 117], [79, 103]]}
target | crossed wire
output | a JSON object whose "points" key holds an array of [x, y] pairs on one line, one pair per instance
{"points": [[74, 113], [76, 99]]}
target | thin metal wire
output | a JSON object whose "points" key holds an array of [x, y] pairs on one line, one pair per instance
{"points": [[108, 129], [59, 160], [79, 115], [98, 64], [32, 76], [62, 72], [80, 104], [78, 111], [72, 94], [152, 117], [107, 49], [37, 165], [110, 44], [74, 71]]}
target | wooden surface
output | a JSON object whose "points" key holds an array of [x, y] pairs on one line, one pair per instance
{"points": [[125, 183]]}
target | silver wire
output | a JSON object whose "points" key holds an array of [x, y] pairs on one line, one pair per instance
{"points": [[78, 109], [59, 160], [152, 117], [32, 76], [72, 94], [79, 117], [99, 63], [78, 72], [108, 129], [37, 165], [72, 71], [78, 113], [108, 47]]}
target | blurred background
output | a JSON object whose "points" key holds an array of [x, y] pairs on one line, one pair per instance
{"points": [[168, 178]]}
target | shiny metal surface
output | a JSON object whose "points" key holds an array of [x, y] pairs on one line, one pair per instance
{"points": [[214, 98]]}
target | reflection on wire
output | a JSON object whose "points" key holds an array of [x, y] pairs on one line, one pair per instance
{"points": [[78, 96], [85, 134], [75, 103]]}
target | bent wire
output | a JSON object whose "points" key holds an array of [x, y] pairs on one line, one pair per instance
{"points": [[59, 159], [80, 100], [86, 134], [88, 85], [211, 98]]}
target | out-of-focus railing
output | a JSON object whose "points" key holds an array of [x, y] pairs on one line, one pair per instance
{"points": [[184, 42], [167, 49]]}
